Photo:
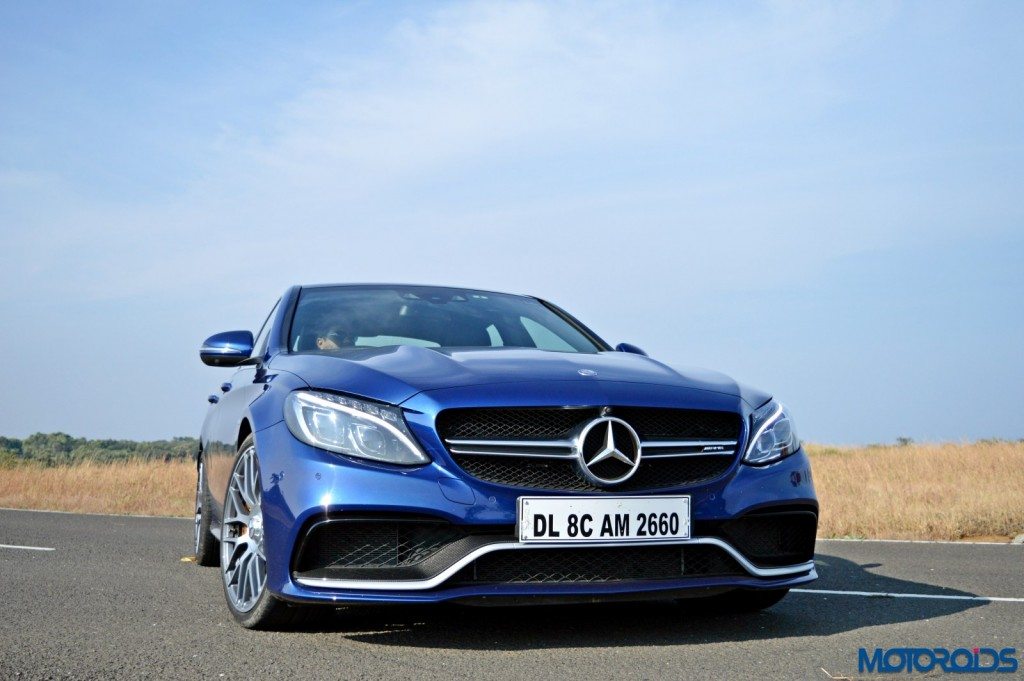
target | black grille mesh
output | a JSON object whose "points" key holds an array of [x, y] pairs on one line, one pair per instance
{"points": [[553, 423], [549, 566], [681, 424], [782, 538], [374, 544], [512, 424]]}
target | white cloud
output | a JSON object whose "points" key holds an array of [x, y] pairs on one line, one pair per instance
{"points": [[484, 136]]}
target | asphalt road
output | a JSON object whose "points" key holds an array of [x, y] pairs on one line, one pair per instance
{"points": [[114, 599]]}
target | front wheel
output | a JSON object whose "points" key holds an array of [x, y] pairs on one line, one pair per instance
{"points": [[242, 550]]}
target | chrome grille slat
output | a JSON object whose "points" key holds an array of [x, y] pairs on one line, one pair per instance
{"points": [[524, 454], [513, 443], [664, 449], [530, 449], [539, 449], [687, 443], [678, 455]]}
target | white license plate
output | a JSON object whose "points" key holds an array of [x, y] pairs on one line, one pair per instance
{"points": [[603, 519]]}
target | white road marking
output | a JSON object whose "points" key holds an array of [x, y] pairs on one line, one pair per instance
{"points": [[879, 594], [102, 515], [26, 548], [924, 541]]}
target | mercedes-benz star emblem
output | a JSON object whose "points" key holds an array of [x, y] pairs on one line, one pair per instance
{"points": [[586, 372], [608, 450]]}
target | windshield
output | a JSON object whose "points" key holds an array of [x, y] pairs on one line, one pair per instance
{"points": [[333, 319]]}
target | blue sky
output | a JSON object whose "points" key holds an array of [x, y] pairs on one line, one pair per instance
{"points": [[823, 200]]}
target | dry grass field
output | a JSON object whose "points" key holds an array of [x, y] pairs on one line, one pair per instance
{"points": [[945, 491], [941, 491], [133, 487]]}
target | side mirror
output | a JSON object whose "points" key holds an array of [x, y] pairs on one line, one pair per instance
{"points": [[227, 349], [629, 347]]}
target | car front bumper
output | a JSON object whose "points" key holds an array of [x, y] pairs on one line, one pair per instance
{"points": [[304, 487]]}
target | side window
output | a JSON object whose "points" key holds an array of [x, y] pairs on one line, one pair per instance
{"points": [[259, 346], [544, 338], [496, 340]]}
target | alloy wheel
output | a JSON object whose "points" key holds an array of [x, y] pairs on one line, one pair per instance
{"points": [[242, 558]]}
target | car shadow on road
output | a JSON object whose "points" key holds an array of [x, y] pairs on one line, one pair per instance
{"points": [[649, 623]]}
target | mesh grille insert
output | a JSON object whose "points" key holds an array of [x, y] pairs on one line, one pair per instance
{"points": [[554, 423], [374, 544], [512, 424], [770, 538], [552, 566]]}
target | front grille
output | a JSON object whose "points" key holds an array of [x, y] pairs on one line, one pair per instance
{"points": [[554, 423], [584, 565], [532, 445], [563, 475]]}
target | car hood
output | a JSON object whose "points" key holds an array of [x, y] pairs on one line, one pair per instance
{"points": [[396, 373]]}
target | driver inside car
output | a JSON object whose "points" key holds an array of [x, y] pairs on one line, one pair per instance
{"points": [[334, 340]]}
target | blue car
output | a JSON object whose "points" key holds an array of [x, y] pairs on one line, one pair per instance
{"points": [[399, 444]]}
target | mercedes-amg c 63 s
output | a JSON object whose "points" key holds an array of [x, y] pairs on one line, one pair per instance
{"points": [[390, 443]]}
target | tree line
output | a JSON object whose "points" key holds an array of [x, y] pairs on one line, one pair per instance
{"points": [[55, 449]]}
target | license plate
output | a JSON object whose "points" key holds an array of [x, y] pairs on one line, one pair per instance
{"points": [[603, 519]]}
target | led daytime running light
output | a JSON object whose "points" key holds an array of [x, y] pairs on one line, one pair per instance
{"points": [[387, 419]]}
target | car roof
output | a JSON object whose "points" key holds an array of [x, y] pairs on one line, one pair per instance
{"points": [[390, 284]]}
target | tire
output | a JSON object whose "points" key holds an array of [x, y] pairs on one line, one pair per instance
{"points": [[736, 601], [243, 563], [207, 547]]}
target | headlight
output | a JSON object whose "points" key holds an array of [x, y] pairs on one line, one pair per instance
{"points": [[774, 435], [353, 427]]}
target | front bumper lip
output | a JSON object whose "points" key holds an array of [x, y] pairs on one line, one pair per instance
{"points": [[440, 578]]}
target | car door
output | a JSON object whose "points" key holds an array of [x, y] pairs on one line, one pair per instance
{"points": [[238, 393]]}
